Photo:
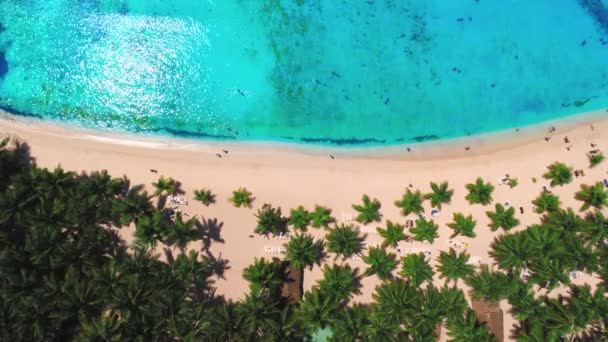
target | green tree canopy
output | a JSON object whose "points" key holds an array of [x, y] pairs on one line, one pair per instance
{"points": [[502, 218], [270, 221], [344, 240], [380, 263], [392, 234], [369, 211], [340, 282], [425, 230], [303, 251], [559, 174], [546, 202], [416, 269], [411, 202], [299, 218], [321, 217], [454, 266], [592, 196], [241, 198], [479, 192], [204, 196], [462, 225], [440, 194], [264, 274]]}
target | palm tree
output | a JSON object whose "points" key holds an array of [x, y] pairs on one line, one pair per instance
{"points": [[453, 302], [369, 211], [416, 269], [134, 206], [321, 217], [511, 251], [559, 174], [396, 301], [259, 313], [350, 323], [316, 310], [595, 159], [339, 282], [270, 221], [411, 202], [102, 329], [152, 228], [380, 263], [453, 266], [181, 232], [425, 230], [462, 225], [491, 286], [546, 202], [204, 196], [302, 251], [189, 269], [165, 185], [344, 240], [227, 323], [502, 218], [241, 198], [440, 195], [299, 218], [263, 274], [479, 192], [467, 328], [592, 196], [595, 228], [563, 220], [381, 329], [392, 234]]}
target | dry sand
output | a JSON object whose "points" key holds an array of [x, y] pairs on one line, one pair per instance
{"points": [[288, 176]]}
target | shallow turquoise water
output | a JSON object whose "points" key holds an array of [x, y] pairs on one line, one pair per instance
{"points": [[326, 72]]}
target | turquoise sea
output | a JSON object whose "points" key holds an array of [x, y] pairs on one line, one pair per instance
{"points": [[370, 72]]}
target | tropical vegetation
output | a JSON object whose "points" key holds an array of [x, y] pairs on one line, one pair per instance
{"points": [[343, 240], [546, 202], [241, 198], [369, 211], [67, 274], [411, 202], [595, 159], [479, 192], [299, 218], [502, 217], [425, 230], [204, 196], [439, 195], [559, 174], [392, 234], [462, 225], [321, 217]]}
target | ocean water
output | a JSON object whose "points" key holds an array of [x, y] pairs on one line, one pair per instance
{"points": [[374, 72]]}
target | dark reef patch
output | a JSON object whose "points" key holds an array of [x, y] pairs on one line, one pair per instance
{"points": [[598, 11], [422, 138], [2, 28], [3, 65], [14, 111], [352, 141], [189, 134]]}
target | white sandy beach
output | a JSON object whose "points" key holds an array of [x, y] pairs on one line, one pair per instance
{"points": [[289, 176]]}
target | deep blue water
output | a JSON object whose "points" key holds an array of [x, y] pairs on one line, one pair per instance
{"points": [[320, 72]]}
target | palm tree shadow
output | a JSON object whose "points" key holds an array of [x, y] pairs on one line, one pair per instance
{"points": [[210, 230], [217, 265]]}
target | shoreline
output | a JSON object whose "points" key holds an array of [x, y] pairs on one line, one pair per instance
{"points": [[437, 149], [289, 177]]}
